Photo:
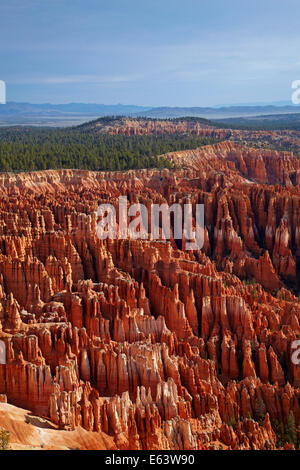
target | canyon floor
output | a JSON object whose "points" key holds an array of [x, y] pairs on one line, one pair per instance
{"points": [[141, 344]]}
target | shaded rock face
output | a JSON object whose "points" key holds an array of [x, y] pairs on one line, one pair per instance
{"points": [[158, 347]]}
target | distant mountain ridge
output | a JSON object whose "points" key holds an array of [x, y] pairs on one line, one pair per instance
{"points": [[221, 112], [47, 114], [12, 107]]}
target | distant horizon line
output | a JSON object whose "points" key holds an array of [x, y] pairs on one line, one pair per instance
{"points": [[145, 107]]}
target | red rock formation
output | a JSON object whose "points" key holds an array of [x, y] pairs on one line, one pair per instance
{"points": [[150, 345], [261, 139]]}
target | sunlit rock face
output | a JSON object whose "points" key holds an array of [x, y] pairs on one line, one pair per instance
{"points": [[143, 344], [284, 139]]}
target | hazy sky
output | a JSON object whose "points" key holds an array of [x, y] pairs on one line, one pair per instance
{"points": [[154, 53]]}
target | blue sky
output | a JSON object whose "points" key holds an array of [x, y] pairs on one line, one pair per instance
{"points": [[153, 53]]}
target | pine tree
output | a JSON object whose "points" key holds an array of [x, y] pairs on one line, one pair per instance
{"points": [[290, 430], [4, 440], [260, 410]]}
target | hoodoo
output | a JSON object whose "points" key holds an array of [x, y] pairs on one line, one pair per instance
{"points": [[141, 344]]}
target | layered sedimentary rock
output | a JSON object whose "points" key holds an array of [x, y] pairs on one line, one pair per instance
{"points": [[142, 341], [284, 139]]}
